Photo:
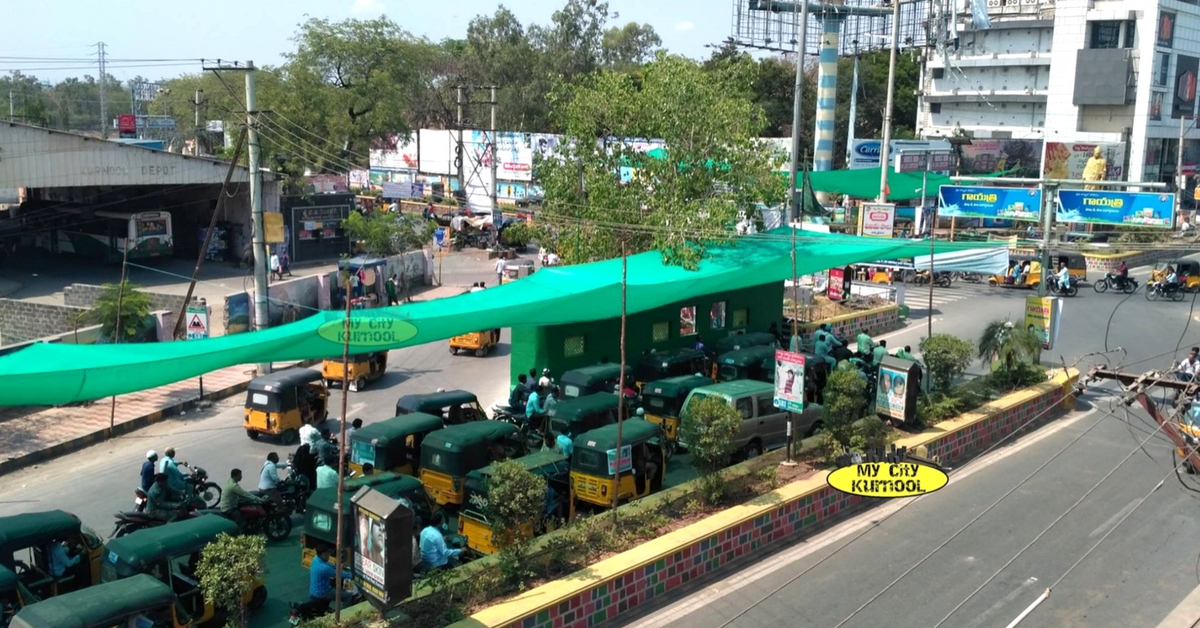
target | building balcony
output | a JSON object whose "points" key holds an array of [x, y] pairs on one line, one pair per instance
{"points": [[987, 95], [992, 59]]}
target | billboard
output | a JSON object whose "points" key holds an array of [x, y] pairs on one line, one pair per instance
{"points": [[514, 157], [436, 152], [956, 201], [1042, 317], [789, 381], [992, 156], [1134, 209], [1183, 102], [1066, 160], [878, 219], [397, 152], [865, 153]]}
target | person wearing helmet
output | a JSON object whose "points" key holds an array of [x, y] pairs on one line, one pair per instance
{"points": [[148, 470], [545, 380]]}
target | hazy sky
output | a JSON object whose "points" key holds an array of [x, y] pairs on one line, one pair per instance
{"points": [[259, 30]]}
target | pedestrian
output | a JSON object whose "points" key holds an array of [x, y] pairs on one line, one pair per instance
{"points": [[327, 475], [148, 470], [304, 463], [390, 286], [276, 266], [500, 265]]}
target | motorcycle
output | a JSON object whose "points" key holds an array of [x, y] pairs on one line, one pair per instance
{"points": [[1129, 285], [293, 493], [269, 519], [941, 278], [314, 608], [203, 493], [1159, 289], [971, 277], [1057, 290]]}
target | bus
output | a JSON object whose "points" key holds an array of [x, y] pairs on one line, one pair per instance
{"points": [[103, 234]]}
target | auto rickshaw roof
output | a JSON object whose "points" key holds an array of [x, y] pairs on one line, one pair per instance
{"points": [[736, 387], [283, 380], [8, 579], [458, 437], [604, 438], [747, 356], [147, 546], [398, 427], [358, 357], [31, 528], [1191, 265], [435, 400], [399, 486], [750, 339], [323, 498], [99, 605], [360, 262], [576, 407], [670, 356], [542, 461], [597, 372], [521, 261], [672, 386]]}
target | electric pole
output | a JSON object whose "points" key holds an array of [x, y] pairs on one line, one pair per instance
{"points": [[103, 93], [261, 286], [891, 100], [196, 122], [495, 154], [798, 111], [459, 153]]}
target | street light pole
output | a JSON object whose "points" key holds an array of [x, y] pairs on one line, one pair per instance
{"points": [[798, 110], [891, 100]]}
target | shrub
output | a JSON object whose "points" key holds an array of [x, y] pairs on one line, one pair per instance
{"points": [[227, 569], [133, 311], [932, 409], [515, 507], [875, 434], [845, 402], [709, 426], [517, 235], [1009, 345], [947, 358]]}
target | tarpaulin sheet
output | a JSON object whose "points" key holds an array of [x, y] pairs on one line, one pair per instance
{"points": [[46, 373]]}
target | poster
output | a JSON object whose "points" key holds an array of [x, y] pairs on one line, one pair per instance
{"points": [[991, 156], [1184, 101], [1166, 29], [396, 152], [890, 394], [1140, 209], [957, 201], [1066, 160], [370, 551], [514, 158], [1042, 317], [273, 227], [789, 381], [834, 291], [626, 459], [878, 219]]}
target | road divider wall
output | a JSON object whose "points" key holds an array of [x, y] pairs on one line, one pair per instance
{"points": [[876, 321], [1108, 262], [628, 580]]}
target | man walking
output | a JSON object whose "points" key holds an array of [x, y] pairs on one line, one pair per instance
{"points": [[500, 264], [390, 286]]}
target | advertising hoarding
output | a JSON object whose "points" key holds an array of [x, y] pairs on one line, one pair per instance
{"points": [[959, 201], [789, 381], [878, 219], [1066, 160], [1136, 209]]}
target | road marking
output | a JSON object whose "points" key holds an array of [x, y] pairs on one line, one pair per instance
{"points": [[978, 621], [1186, 615], [906, 329], [697, 600], [1112, 521]]}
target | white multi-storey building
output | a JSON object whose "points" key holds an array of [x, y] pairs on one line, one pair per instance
{"points": [[1073, 72]]}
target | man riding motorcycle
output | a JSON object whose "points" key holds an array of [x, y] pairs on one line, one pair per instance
{"points": [[1122, 274], [1063, 277]]}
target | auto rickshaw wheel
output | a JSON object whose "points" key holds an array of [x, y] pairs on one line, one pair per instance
{"points": [[289, 437], [258, 598], [360, 384], [453, 350], [481, 352], [253, 434]]}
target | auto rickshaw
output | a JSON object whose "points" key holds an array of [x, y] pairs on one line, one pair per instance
{"points": [[450, 454], [594, 476], [453, 406], [393, 444], [1076, 267], [108, 605], [25, 545], [663, 400], [170, 553], [1187, 270], [364, 368], [517, 269], [582, 414], [320, 521], [658, 365], [480, 342], [13, 595], [742, 341], [584, 381], [282, 402], [473, 522], [747, 363]]}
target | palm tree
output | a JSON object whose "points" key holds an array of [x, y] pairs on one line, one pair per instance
{"points": [[1009, 344]]}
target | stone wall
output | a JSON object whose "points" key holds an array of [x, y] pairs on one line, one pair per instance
{"points": [[23, 321], [85, 295]]}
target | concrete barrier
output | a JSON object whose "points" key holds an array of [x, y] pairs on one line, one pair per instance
{"points": [[876, 321], [1108, 262], [623, 582]]}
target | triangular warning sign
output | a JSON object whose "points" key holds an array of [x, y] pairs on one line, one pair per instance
{"points": [[196, 324]]}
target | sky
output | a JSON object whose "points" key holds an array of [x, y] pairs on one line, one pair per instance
{"points": [[261, 30]]}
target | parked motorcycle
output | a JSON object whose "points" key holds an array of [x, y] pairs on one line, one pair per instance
{"points": [[270, 519], [1160, 289], [941, 278], [1129, 285]]}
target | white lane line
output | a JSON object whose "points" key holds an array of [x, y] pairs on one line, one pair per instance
{"points": [[978, 621], [1112, 521], [907, 329], [757, 571]]}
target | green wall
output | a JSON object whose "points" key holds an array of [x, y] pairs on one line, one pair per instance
{"points": [[545, 347]]}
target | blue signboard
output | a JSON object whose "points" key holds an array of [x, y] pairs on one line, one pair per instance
{"points": [[989, 202], [1135, 209]]}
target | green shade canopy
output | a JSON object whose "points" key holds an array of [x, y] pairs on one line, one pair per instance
{"points": [[864, 183], [45, 374]]}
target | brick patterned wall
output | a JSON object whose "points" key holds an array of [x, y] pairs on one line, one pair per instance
{"points": [[875, 321], [22, 321], [1106, 264], [609, 599], [85, 295]]}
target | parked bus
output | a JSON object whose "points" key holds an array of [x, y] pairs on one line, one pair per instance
{"points": [[103, 234]]}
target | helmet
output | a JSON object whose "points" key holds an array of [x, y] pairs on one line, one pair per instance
{"points": [[150, 454], [545, 371]]}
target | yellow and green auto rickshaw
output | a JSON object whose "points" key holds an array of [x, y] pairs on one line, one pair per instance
{"points": [[742, 341], [13, 595], [747, 363], [320, 518], [594, 474], [517, 269], [584, 381], [480, 343], [282, 402], [1016, 277], [659, 365], [112, 604], [393, 444], [581, 414], [26, 542], [1187, 270], [364, 368], [663, 400], [450, 454], [453, 406], [473, 523], [170, 553]]}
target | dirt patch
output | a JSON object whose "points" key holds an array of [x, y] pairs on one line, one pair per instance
{"points": [[822, 308]]}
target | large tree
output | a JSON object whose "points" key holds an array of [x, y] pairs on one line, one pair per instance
{"points": [[676, 204]]}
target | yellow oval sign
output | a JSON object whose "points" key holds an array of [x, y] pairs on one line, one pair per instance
{"points": [[369, 332], [888, 479]]}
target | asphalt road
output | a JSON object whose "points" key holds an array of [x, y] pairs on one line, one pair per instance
{"points": [[98, 481], [1135, 577]]}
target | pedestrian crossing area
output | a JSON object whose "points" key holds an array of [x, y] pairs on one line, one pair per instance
{"points": [[917, 297]]}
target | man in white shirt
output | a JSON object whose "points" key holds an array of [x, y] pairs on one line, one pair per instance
{"points": [[276, 268], [268, 480], [545, 380], [1189, 367], [500, 264], [552, 259]]}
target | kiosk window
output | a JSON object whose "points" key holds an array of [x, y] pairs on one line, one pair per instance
{"points": [[661, 331], [574, 346]]}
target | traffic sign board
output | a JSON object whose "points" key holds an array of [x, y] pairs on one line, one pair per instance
{"points": [[197, 322]]}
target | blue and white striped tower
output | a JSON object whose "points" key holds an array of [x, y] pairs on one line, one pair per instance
{"points": [[831, 28]]}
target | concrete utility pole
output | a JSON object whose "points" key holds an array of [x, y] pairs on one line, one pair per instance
{"points": [[103, 93], [798, 110], [891, 100], [494, 157], [853, 112], [261, 285]]}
